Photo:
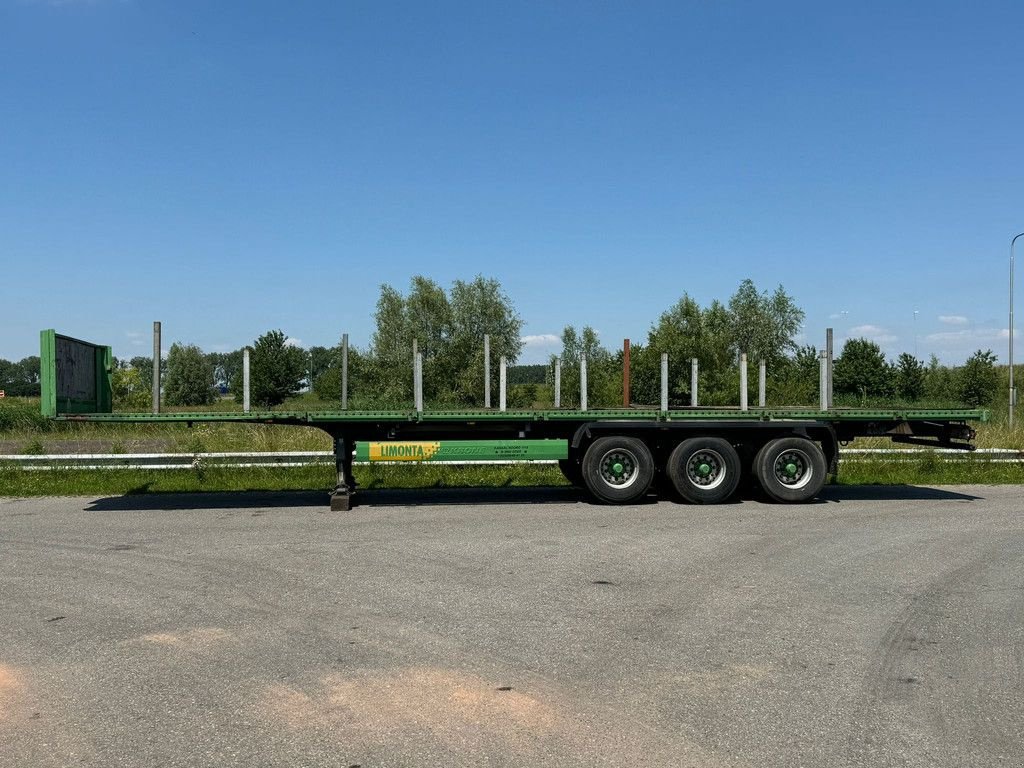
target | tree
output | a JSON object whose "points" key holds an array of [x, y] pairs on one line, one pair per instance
{"points": [[225, 366], [862, 370], [20, 379], [764, 324], [144, 365], [322, 359], [327, 384], [129, 390], [680, 332], [795, 380], [449, 331], [481, 307], [189, 379], [276, 370], [977, 379], [939, 381], [910, 377], [604, 377]]}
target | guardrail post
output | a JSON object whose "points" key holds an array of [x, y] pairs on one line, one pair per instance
{"points": [[245, 379], [502, 384], [664, 382], [693, 382], [156, 366], [583, 383], [344, 371], [558, 382], [823, 381], [487, 371], [743, 381], [762, 375]]}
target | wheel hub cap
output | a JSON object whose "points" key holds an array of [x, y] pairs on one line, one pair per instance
{"points": [[793, 468], [619, 468], [706, 469]]}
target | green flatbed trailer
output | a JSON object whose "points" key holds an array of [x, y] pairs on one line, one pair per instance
{"points": [[615, 454]]}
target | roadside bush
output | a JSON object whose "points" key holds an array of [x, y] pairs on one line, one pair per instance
{"points": [[977, 380], [189, 377]]}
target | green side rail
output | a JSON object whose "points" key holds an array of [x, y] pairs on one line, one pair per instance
{"points": [[603, 414]]}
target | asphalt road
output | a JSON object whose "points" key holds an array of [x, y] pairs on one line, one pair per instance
{"points": [[879, 627]]}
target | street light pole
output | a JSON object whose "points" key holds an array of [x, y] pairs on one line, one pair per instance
{"points": [[1013, 394]]}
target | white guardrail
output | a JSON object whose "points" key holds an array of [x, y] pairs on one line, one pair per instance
{"points": [[309, 458]]}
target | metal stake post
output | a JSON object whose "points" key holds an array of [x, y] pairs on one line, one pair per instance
{"points": [[245, 379], [487, 371], [156, 367], [558, 383], [344, 371], [625, 373], [743, 381], [761, 381], [418, 382], [693, 382], [502, 391], [583, 383], [664, 382], [823, 381], [828, 351]]}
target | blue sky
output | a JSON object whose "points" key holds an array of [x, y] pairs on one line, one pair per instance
{"points": [[228, 168]]}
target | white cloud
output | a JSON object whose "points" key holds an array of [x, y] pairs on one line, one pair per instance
{"points": [[953, 319], [968, 335], [293, 342], [538, 348], [875, 333], [953, 347]]}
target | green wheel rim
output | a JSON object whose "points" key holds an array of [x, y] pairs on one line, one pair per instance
{"points": [[793, 468], [706, 469], [619, 468]]}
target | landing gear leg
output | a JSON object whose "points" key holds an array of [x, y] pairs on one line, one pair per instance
{"points": [[345, 487]]}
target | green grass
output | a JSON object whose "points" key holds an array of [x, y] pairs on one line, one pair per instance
{"points": [[119, 482], [930, 471]]}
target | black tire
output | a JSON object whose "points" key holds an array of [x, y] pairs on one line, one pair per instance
{"points": [[618, 470], [791, 469], [572, 471], [704, 470]]}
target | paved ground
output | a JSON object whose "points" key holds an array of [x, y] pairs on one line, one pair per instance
{"points": [[881, 627]]}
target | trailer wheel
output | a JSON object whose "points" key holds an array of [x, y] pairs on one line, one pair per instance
{"points": [[572, 471], [618, 470], [704, 470], [791, 469]]}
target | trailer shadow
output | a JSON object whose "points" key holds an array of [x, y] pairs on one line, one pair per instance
{"points": [[841, 493], [170, 501], [377, 497], [430, 497]]}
